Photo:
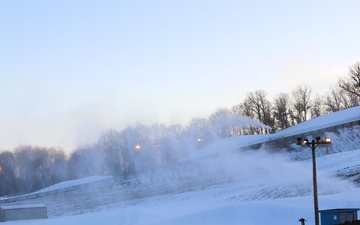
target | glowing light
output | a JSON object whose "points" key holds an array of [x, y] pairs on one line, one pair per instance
{"points": [[137, 147]]}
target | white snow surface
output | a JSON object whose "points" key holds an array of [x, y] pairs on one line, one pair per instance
{"points": [[72, 183], [318, 123], [325, 121], [234, 187]]}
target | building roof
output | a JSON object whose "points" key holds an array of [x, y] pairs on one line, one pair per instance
{"points": [[339, 210], [22, 206]]}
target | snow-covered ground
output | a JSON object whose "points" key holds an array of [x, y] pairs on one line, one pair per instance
{"points": [[72, 183], [262, 189], [235, 186], [60, 187]]}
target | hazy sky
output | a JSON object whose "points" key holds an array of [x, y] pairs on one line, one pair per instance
{"points": [[70, 69]]}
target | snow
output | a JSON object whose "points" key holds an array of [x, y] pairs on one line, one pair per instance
{"points": [[321, 122], [251, 188], [318, 123], [72, 183], [196, 211], [237, 202], [60, 187]]}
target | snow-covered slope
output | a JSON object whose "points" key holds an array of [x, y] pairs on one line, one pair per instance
{"points": [[254, 187], [330, 120], [344, 138], [228, 186]]}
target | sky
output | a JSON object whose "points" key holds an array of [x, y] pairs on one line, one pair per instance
{"points": [[71, 69]]}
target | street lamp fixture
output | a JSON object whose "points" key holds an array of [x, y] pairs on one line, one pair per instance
{"points": [[313, 145]]}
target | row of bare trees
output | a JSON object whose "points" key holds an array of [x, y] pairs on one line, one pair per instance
{"points": [[290, 109], [29, 168]]}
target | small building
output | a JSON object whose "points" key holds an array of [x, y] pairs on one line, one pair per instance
{"points": [[22, 212], [339, 216]]}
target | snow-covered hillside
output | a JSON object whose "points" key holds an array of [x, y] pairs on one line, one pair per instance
{"points": [[221, 184], [254, 188]]}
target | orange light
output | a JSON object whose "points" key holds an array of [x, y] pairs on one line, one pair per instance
{"points": [[328, 140]]}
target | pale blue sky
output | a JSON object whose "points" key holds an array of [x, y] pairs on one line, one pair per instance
{"points": [[70, 69]]}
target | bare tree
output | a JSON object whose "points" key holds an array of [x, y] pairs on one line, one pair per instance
{"points": [[334, 100], [338, 99], [86, 161], [257, 106], [38, 167], [353, 100], [8, 184], [244, 108], [282, 113], [351, 83], [317, 108], [301, 103]]}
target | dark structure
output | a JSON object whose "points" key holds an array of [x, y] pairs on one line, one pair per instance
{"points": [[302, 221], [22, 212], [339, 216]]}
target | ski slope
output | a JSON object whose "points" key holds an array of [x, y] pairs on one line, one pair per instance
{"points": [[351, 115], [346, 116], [280, 194], [231, 187]]}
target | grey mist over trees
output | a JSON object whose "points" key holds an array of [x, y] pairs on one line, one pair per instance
{"points": [[30, 168], [140, 148], [124, 153]]}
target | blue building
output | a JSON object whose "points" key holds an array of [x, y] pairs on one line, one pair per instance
{"points": [[339, 216]]}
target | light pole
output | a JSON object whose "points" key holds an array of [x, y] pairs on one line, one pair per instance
{"points": [[313, 144]]}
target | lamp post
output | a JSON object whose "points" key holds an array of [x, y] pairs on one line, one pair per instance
{"points": [[313, 145]]}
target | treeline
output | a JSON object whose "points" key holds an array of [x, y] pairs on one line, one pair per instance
{"points": [[29, 168], [140, 148], [290, 109], [300, 105], [118, 153]]}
